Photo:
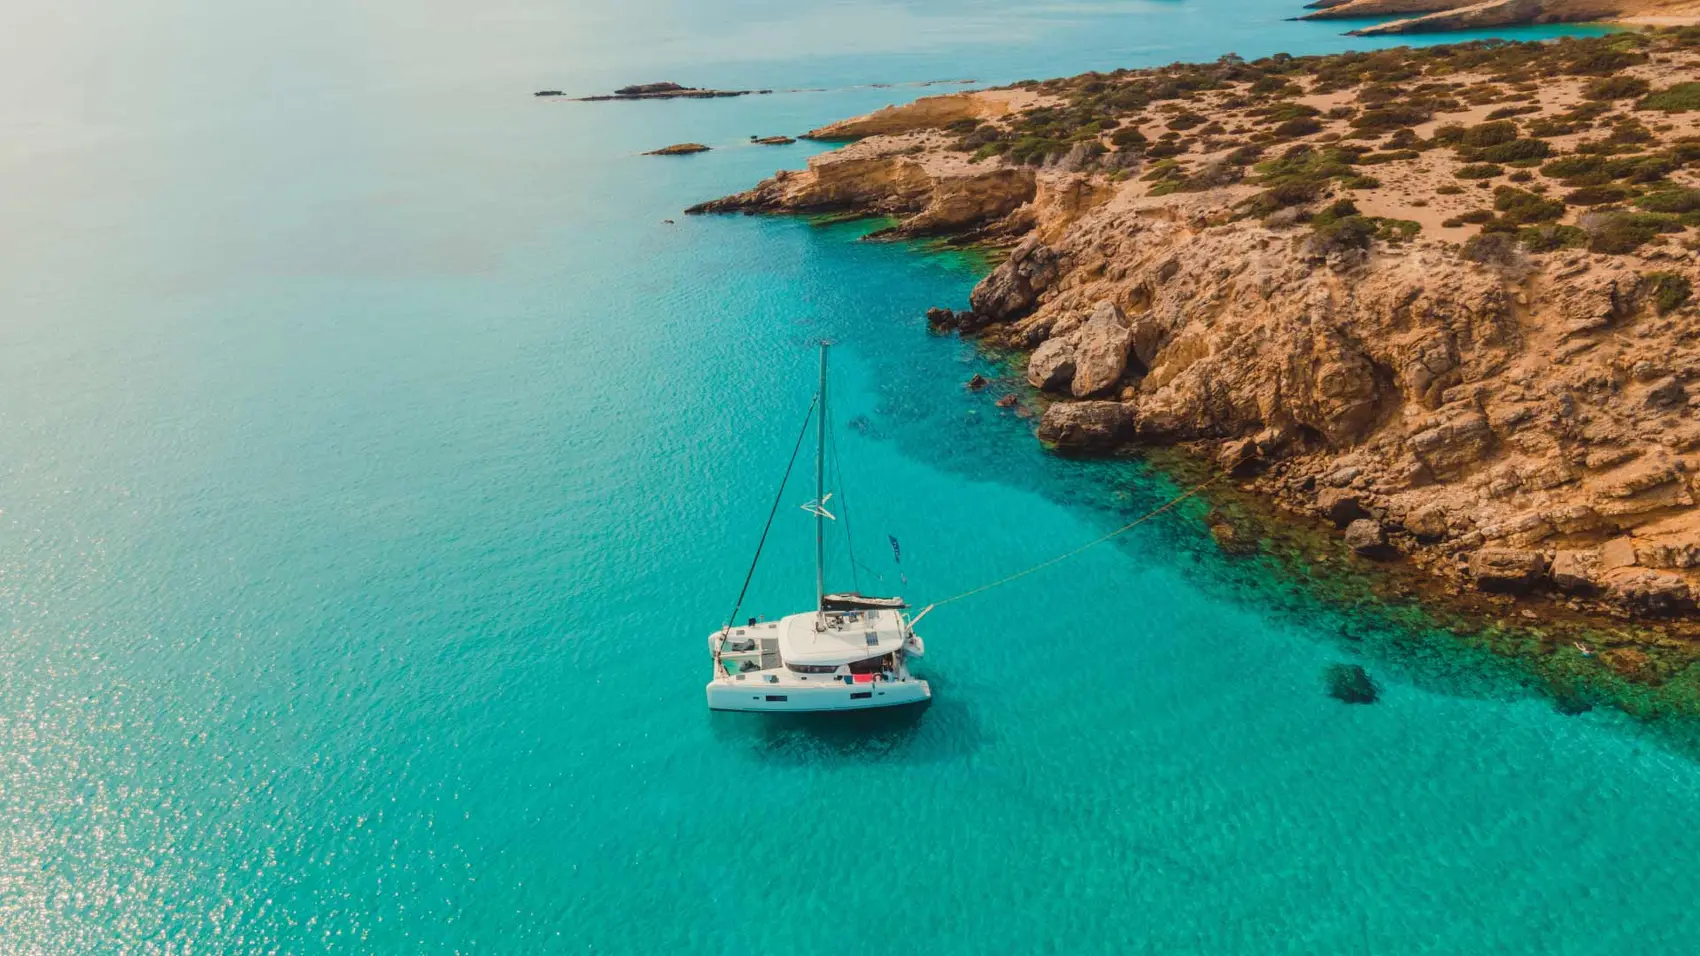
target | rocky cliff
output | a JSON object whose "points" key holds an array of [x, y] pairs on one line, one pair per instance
{"points": [[1441, 298]]}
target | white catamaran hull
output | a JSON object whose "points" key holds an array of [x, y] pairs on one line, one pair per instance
{"points": [[761, 697]]}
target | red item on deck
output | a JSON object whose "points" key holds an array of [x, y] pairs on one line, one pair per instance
{"points": [[864, 678]]}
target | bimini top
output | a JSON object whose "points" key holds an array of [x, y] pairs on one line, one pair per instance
{"points": [[852, 601], [849, 636]]}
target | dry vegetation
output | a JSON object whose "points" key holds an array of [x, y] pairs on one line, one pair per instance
{"points": [[1577, 143]]}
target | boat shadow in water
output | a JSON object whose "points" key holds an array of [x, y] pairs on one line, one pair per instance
{"points": [[919, 733]]}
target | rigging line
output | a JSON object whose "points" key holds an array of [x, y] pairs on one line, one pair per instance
{"points": [[1195, 489], [843, 503], [779, 496]]}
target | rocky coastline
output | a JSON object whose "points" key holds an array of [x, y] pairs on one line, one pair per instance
{"points": [[1435, 16], [1439, 299]]}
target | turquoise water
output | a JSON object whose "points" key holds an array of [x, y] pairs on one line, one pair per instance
{"points": [[374, 462]]}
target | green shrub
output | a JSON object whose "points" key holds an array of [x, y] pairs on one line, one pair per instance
{"points": [[1478, 171], [1390, 118], [1618, 233], [1405, 138], [1488, 134], [1521, 207], [1339, 235], [1551, 238], [1448, 189], [1490, 247], [1300, 126], [1185, 121], [1517, 150], [1678, 200], [1505, 112], [1616, 88], [1474, 217], [1640, 169], [1677, 98], [1360, 182], [1129, 138], [1594, 61], [1596, 195], [1669, 290], [1282, 196], [1244, 155], [1396, 230]]}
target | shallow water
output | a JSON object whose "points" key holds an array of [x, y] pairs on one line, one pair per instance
{"points": [[374, 463]]}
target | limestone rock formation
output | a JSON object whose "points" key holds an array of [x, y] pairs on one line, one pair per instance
{"points": [[1051, 366], [1101, 347], [1493, 417], [1086, 426], [1507, 570], [1366, 537]]}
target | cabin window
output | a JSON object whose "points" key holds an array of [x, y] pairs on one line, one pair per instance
{"points": [[862, 695], [872, 665], [777, 697], [810, 668]]}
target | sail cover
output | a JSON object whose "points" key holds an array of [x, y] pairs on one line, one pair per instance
{"points": [[852, 601]]}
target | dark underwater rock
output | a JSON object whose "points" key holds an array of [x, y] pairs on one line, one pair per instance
{"points": [[1349, 683]]}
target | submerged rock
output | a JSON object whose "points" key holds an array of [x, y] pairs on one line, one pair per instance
{"points": [[1350, 683], [1231, 537]]}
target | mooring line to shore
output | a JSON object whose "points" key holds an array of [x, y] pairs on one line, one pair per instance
{"points": [[1189, 493]]}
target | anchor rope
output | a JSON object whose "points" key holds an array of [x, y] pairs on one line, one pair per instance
{"points": [[1189, 493], [778, 496]]}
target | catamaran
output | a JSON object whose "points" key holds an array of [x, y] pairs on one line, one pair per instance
{"points": [[851, 652]]}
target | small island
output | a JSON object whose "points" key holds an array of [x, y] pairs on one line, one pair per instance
{"points": [[678, 149], [772, 140], [666, 91]]}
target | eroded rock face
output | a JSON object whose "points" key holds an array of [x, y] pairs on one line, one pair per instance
{"points": [[1340, 506], [1366, 537], [1650, 592], [1012, 289], [1507, 571], [1086, 426], [1576, 571], [1051, 366], [1100, 351]]}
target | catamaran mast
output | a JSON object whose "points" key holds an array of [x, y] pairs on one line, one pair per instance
{"points": [[820, 495]]}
